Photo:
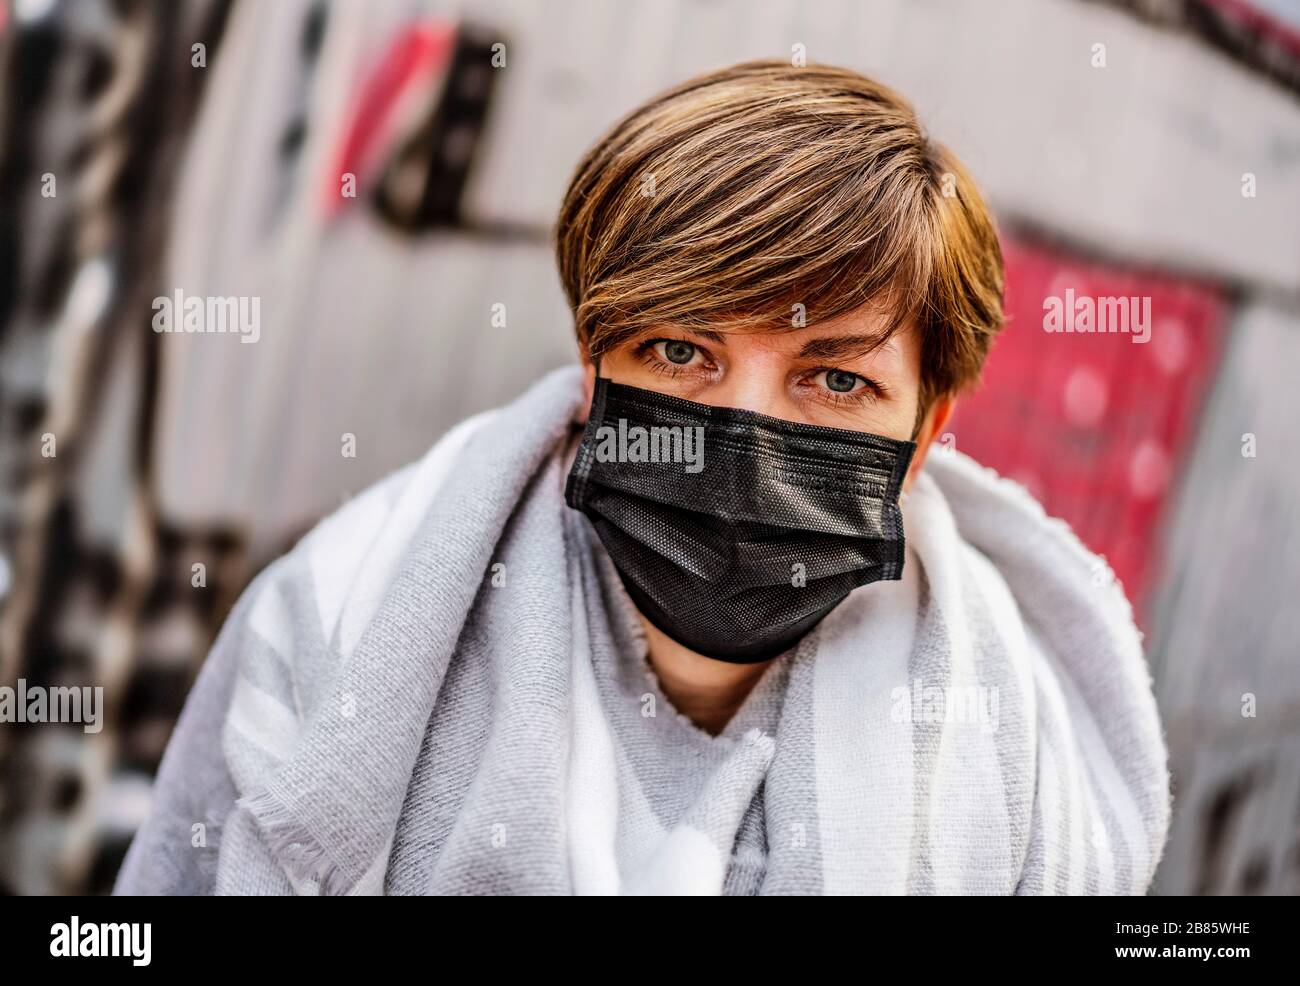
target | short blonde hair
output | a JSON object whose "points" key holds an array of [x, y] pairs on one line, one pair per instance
{"points": [[738, 195]]}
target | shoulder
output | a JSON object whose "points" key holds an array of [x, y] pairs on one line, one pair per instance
{"points": [[304, 613], [1093, 700]]}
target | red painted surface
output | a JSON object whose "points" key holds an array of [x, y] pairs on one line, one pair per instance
{"points": [[415, 56], [1096, 425], [1282, 31]]}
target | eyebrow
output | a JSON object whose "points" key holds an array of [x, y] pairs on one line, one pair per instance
{"points": [[825, 348], [843, 347], [708, 335]]}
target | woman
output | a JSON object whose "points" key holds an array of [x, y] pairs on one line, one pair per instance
{"points": [[704, 614]]}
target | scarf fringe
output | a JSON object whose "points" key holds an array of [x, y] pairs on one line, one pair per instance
{"points": [[295, 846]]}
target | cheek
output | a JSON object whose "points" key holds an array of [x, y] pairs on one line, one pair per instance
{"points": [[624, 366], [900, 420], [893, 418]]}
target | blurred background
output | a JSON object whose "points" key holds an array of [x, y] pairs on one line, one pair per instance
{"points": [[382, 177]]}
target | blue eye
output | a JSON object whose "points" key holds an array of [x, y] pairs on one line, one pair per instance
{"points": [[841, 381], [676, 351]]}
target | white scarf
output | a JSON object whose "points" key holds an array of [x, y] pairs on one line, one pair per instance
{"points": [[412, 703]]}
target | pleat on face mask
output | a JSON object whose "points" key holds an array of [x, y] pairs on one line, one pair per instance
{"points": [[734, 532]]}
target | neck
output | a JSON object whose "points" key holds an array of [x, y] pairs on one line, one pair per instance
{"points": [[705, 690]]}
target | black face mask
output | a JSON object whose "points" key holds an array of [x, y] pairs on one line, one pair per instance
{"points": [[735, 533]]}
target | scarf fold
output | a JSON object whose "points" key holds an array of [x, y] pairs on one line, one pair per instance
{"points": [[418, 706]]}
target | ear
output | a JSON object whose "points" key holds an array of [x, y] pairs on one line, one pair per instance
{"points": [[936, 420], [588, 389]]}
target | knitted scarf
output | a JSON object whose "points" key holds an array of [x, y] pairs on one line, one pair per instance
{"points": [[421, 697]]}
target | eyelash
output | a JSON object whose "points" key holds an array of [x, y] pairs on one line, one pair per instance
{"points": [[649, 358], [836, 399], [872, 392]]}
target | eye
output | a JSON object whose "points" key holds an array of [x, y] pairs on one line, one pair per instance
{"points": [[674, 358], [840, 381], [676, 351]]}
